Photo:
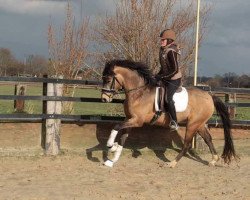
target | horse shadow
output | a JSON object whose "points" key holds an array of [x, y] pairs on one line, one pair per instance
{"points": [[157, 139]]}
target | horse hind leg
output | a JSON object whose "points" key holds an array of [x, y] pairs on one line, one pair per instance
{"points": [[205, 134], [185, 148], [191, 130]]}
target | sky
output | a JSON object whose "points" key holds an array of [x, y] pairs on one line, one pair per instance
{"points": [[226, 47]]}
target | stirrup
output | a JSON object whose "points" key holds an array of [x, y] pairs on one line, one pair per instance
{"points": [[173, 125]]}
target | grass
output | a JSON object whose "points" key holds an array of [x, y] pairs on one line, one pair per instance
{"points": [[242, 113], [81, 108]]}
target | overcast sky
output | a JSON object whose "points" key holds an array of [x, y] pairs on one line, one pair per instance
{"points": [[23, 29]]}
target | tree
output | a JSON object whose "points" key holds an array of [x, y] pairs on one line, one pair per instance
{"points": [[7, 61], [68, 51], [229, 79], [15, 69], [243, 81], [36, 65], [216, 81], [133, 31]]}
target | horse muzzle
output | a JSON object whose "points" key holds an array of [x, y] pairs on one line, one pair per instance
{"points": [[106, 98]]}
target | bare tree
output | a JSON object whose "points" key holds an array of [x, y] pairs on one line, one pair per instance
{"points": [[7, 61], [243, 81], [35, 65], [68, 51], [39, 65], [133, 31]]}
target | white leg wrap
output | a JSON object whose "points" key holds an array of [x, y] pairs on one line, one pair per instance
{"points": [[114, 147], [117, 153], [109, 163], [112, 137]]}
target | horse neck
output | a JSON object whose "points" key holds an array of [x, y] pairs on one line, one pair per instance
{"points": [[130, 79]]}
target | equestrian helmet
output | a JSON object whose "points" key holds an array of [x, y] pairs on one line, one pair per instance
{"points": [[168, 34]]}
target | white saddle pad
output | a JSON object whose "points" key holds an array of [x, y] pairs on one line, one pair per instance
{"points": [[180, 99]]}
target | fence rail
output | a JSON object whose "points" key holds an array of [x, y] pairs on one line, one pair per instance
{"points": [[56, 98], [83, 99], [98, 83], [38, 118], [49, 80], [28, 117], [51, 116]]}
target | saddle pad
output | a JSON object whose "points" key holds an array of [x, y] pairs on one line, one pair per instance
{"points": [[181, 100]]}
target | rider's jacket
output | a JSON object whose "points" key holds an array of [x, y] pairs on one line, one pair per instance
{"points": [[169, 64]]}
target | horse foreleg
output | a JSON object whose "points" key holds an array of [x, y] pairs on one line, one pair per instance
{"points": [[115, 147], [117, 153], [133, 122], [112, 137], [117, 150]]}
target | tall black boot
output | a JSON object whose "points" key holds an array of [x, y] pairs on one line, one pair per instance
{"points": [[172, 112]]}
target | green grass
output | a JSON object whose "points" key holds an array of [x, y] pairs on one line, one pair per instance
{"points": [[242, 113], [35, 107], [80, 108]]}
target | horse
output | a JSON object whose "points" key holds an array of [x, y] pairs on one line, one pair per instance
{"points": [[137, 82]]}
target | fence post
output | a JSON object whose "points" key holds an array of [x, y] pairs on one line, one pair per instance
{"points": [[44, 111], [231, 98], [19, 104], [53, 125]]}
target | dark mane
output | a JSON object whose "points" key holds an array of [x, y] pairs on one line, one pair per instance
{"points": [[141, 68]]}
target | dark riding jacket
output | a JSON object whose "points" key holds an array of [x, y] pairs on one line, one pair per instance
{"points": [[169, 64]]}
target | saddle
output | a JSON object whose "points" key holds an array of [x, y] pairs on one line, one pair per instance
{"points": [[180, 98]]}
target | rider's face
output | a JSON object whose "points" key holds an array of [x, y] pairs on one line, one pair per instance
{"points": [[163, 42]]}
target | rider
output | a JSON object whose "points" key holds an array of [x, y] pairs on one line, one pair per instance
{"points": [[169, 73]]}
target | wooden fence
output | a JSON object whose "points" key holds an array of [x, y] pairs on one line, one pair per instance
{"points": [[51, 145]]}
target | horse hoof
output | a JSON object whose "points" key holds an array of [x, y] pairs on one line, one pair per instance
{"points": [[172, 164], [109, 163], [214, 160], [212, 163]]}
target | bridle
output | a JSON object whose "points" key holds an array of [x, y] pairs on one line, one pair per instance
{"points": [[113, 91]]}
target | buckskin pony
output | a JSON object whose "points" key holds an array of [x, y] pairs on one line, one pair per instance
{"points": [[136, 81]]}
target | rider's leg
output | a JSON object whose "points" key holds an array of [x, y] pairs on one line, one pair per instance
{"points": [[172, 86], [171, 110]]}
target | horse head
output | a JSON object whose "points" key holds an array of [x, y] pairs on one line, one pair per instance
{"points": [[111, 86], [124, 75]]}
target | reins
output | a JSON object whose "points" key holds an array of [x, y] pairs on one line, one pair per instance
{"points": [[134, 89]]}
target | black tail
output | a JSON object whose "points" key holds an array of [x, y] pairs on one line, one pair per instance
{"points": [[228, 152]]}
